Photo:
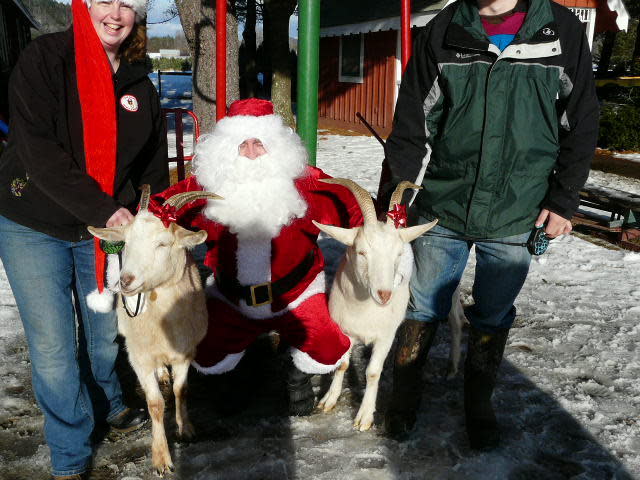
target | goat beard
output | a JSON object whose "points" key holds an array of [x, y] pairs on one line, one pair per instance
{"points": [[260, 196]]}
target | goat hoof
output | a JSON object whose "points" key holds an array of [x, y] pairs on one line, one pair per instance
{"points": [[161, 470], [326, 407], [363, 424], [327, 403]]}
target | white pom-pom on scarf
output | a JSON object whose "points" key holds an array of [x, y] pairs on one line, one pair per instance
{"points": [[105, 302]]}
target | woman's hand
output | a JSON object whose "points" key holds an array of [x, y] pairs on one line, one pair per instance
{"points": [[122, 216]]}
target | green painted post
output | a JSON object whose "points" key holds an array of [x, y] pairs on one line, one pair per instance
{"points": [[308, 60]]}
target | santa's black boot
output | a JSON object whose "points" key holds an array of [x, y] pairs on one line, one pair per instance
{"points": [[302, 400], [414, 341], [484, 354]]}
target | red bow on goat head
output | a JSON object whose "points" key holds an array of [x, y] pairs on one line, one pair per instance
{"points": [[399, 215], [166, 212]]}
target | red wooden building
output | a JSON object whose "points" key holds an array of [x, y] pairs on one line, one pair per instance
{"points": [[360, 54]]}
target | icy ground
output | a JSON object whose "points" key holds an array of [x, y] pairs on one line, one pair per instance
{"points": [[568, 397]]}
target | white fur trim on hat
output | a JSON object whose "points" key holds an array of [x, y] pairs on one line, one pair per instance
{"points": [[139, 6], [305, 363], [225, 365]]}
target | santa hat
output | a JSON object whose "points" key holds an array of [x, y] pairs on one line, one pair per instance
{"points": [[249, 118], [254, 107], [139, 6]]}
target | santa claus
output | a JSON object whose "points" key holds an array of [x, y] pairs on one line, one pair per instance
{"points": [[262, 245]]}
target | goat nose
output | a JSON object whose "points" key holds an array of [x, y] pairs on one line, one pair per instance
{"points": [[385, 295], [126, 279]]}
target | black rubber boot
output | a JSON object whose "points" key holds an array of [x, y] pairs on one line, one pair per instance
{"points": [[302, 400], [129, 420], [414, 341], [484, 354]]}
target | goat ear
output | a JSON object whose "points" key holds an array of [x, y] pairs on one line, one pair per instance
{"points": [[111, 234], [411, 233], [343, 235], [188, 239]]}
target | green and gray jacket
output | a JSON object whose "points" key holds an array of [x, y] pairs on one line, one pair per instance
{"points": [[509, 133]]}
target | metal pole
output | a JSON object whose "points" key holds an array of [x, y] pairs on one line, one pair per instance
{"points": [[308, 60], [405, 27], [221, 58]]}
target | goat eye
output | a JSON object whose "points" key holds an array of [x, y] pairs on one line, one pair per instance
{"points": [[364, 254]]}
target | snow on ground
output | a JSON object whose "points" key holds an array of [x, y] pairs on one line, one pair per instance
{"points": [[568, 397]]}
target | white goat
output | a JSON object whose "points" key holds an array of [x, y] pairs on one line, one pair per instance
{"points": [[370, 291], [173, 315]]}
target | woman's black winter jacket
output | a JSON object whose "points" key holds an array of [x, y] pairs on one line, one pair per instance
{"points": [[43, 179]]}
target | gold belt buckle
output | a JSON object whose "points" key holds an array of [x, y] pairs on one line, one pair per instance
{"points": [[253, 294]]}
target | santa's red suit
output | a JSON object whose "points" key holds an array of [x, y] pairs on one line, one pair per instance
{"points": [[266, 280]]}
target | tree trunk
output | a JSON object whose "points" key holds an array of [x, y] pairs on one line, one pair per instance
{"points": [[605, 55], [250, 71], [198, 23], [635, 58], [276, 25]]}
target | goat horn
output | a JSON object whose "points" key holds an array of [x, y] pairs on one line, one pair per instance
{"points": [[181, 199], [144, 198], [362, 197], [396, 197]]}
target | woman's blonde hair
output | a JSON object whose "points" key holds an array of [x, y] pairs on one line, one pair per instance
{"points": [[134, 48]]}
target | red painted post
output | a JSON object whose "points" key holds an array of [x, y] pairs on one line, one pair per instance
{"points": [[405, 29], [221, 58]]}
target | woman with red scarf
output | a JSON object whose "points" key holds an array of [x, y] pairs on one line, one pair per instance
{"points": [[85, 132]]}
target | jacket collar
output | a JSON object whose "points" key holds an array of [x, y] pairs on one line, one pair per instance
{"points": [[465, 29]]}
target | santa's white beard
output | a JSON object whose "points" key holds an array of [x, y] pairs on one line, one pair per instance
{"points": [[260, 196]]}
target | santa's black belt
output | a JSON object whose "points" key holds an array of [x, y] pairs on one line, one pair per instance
{"points": [[264, 293]]}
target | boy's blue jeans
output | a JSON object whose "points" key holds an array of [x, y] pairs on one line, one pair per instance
{"points": [[72, 363], [439, 263]]}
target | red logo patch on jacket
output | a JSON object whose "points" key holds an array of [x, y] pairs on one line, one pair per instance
{"points": [[129, 102]]}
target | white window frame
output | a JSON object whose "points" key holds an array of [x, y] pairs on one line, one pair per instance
{"points": [[349, 78], [587, 16]]}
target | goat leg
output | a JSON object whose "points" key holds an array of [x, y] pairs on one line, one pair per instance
{"points": [[364, 418], [331, 397], [160, 456], [180, 373]]}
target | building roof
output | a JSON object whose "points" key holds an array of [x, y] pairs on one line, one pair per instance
{"points": [[340, 17], [25, 11]]}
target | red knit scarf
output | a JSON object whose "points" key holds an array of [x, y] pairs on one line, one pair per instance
{"points": [[97, 100]]}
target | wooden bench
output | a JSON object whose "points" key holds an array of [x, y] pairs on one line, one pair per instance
{"points": [[621, 226]]}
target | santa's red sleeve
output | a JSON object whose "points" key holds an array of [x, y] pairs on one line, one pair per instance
{"points": [[332, 204], [187, 216]]}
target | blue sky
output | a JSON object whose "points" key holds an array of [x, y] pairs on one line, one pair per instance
{"points": [[156, 14]]}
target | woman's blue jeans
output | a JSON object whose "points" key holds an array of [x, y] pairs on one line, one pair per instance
{"points": [[439, 263], [72, 362]]}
